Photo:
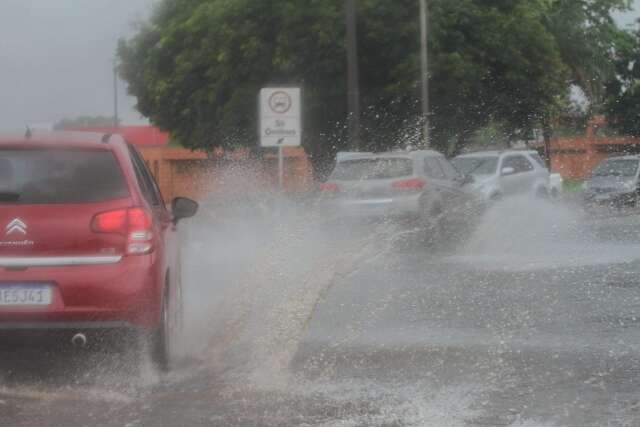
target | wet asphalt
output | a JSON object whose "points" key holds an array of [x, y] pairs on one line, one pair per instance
{"points": [[535, 328]]}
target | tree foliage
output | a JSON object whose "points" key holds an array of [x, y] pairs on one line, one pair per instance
{"points": [[197, 66], [586, 35], [623, 92]]}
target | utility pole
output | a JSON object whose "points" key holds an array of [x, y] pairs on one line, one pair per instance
{"points": [[116, 120], [353, 84], [424, 71]]}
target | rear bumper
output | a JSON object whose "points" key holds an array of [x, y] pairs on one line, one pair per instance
{"points": [[392, 207], [64, 326], [125, 294]]}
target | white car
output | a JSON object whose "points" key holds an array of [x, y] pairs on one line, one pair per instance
{"points": [[499, 174]]}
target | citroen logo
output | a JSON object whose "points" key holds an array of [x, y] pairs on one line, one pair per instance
{"points": [[16, 226]]}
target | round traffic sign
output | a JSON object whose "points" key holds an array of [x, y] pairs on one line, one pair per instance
{"points": [[280, 102]]}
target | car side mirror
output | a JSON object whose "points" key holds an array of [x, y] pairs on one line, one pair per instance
{"points": [[182, 208], [508, 171]]}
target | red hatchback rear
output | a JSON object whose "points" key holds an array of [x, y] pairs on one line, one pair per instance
{"points": [[86, 241]]}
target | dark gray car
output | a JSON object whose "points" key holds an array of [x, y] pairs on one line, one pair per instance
{"points": [[613, 183], [420, 185]]}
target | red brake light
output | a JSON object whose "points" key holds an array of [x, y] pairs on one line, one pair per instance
{"points": [[110, 222], [139, 219], [134, 223], [330, 187], [409, 184]]}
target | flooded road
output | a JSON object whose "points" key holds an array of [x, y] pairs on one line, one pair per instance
{"points": [[532, 321]]}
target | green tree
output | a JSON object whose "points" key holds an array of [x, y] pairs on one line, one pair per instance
{"points": [[623, 92], [586, 34], [197, 66]]}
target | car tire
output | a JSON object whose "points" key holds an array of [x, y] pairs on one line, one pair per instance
{"points": [[159, 340]]}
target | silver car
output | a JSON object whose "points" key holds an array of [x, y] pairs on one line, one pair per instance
{"points": [[614, 183], [421, 185], [499, 174]]}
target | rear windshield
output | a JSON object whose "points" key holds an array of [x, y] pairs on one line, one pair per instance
{"points": [[476, 165], [617, 167], [355, 170], [41, 176]]}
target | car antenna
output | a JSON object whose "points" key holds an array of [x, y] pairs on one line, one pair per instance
{"points": [[28, 133]]}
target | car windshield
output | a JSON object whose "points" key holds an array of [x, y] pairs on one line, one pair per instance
{"points": [[476, 165], [53, 176], [367, 169], [617, 168]]}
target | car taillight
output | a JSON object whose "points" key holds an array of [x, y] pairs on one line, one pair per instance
{"points": [[409, 184], [133, 223], [330, 187]]}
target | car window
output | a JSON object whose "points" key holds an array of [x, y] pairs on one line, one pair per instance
{"points": [[519, 163], [432, 168], [51, 176], [145, 180], [617, 168], [449, 171], [366, 169], [476, 165]]}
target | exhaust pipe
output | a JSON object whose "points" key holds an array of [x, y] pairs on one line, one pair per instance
{"points": [[79, 340]]}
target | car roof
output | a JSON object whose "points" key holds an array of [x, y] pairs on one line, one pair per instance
{"points": [[496, 153], [63, 139]]}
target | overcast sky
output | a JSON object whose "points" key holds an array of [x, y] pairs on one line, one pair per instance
{"points": [[56, 58]]}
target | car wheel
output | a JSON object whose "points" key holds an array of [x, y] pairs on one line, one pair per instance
{"points": [[159, 343]]}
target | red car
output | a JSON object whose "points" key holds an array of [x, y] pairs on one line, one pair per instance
{"points": [[86, 241]]}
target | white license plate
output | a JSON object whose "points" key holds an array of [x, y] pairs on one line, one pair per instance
{"points": [[25, 295]]}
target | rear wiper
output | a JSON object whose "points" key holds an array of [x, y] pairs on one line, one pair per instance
{"points": [[8, 196]]}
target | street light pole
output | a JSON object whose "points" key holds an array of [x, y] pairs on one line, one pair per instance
{"points": [[353, 89], [424, 71]]}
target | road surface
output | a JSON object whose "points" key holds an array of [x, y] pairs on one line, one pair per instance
{"points": [[534, 321]]}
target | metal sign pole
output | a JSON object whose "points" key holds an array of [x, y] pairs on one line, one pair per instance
{"points": [[280, 168]]}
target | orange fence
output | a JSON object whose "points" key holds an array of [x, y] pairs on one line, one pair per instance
{"points": [[195, 174], [575, 158]]}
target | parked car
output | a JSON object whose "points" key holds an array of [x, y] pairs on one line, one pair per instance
{"points": [[420, 185], [506, 173], [87, 243], [614, 183]]}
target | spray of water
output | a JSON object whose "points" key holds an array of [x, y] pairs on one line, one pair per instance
{"points": [[525, 233], [252, 282]]}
